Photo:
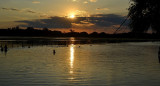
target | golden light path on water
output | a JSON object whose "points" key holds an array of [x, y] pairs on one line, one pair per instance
{"points": [[71, 58]]}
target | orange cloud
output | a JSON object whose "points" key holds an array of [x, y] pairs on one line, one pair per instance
{"points": [[93, 0], [35, 2]]}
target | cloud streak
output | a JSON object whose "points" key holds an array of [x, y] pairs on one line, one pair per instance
{"points": [[30, 11], [85, 1], [93, 0], [99, 9], [11, 9], [35, 2], [22, 10], [27, 11]]}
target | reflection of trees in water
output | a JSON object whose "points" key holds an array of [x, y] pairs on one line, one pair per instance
{"points": [[144, 14], [29, 44], [62, 42]]}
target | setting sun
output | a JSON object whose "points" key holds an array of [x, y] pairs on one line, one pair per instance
{"points": [[72, 16]]}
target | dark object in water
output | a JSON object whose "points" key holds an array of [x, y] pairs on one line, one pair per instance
{"points": [[54, 52], [5, 48], [1, 49], [159, 54]]}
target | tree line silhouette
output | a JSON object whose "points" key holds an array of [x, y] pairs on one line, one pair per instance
{"points": [[45, 32]]}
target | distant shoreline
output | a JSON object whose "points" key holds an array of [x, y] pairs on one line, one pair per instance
{"points": [[45, 32]]}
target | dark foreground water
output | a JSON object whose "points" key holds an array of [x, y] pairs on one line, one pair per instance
{"points": [[98, 64]]}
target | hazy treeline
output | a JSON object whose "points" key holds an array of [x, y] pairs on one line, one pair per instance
{"points": [[30, 31]]}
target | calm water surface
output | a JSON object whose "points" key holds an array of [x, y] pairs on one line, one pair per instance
{"points": [[100, 64]]}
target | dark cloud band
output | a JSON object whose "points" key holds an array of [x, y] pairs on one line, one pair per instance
{"points": [[101, 20]]}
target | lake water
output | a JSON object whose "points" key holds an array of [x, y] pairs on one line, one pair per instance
{"points": [[81, 64]]}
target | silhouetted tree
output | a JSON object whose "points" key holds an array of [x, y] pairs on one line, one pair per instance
{"points": [[84, 34], [30, 28], [144, 14], [17, 28], [72, 31], [94, 34], [102, 34], [45, 29]]}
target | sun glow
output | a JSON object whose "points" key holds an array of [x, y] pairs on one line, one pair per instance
{"points": [[72, 16]]}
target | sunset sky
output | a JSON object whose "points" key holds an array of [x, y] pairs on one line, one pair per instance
{"points": [[80, 15]]}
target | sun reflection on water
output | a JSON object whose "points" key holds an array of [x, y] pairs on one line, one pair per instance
{"points": [[71, 58]]}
